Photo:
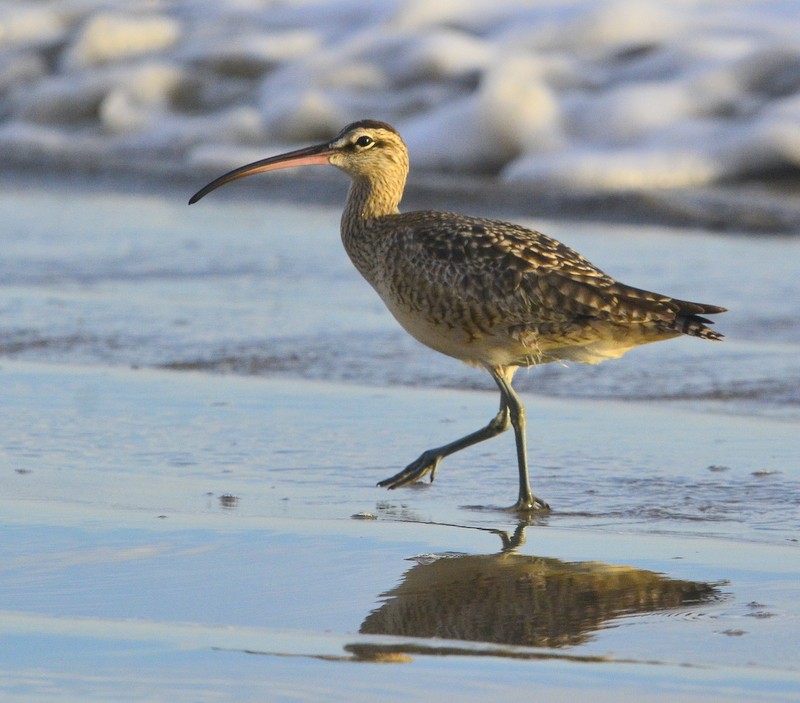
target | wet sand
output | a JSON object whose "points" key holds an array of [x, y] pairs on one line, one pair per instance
{"points": [[190, 537]]}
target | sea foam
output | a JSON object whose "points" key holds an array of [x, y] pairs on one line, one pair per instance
{"points": [[576, 95]]}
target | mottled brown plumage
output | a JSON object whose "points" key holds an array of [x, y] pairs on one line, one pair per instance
{"points": [[490, 293]]}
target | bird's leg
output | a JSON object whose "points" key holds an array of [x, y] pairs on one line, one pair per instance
{"points": [[428, 461], [526, 501]]}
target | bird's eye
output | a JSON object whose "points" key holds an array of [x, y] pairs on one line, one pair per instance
{"points": [[364, 141]]}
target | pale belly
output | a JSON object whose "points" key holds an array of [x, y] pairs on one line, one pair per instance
{"points": [[502, 348], [473, 349]]}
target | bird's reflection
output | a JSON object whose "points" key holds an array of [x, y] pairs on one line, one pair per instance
{"points": [[514, 599]]}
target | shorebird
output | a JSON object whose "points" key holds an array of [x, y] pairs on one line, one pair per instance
{"points": [[493, 294]]}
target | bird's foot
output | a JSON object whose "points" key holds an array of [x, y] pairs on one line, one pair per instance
{"points": [[427, 463], [530, 504]]}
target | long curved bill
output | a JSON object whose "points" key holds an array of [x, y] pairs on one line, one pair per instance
{"points": [[309, 156]]}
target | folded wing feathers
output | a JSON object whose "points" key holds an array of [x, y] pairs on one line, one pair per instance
{"points": [[508, 262]]}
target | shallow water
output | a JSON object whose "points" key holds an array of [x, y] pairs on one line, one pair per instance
{"points": [[266, 289], [173, 532]]}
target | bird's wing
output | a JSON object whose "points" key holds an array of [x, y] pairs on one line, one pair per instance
{"points": [[521, 270]]}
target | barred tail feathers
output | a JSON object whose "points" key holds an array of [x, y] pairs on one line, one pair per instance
{"points": [[689, 321]]}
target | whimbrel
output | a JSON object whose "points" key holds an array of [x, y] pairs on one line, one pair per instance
{"points": [[492, 294]]}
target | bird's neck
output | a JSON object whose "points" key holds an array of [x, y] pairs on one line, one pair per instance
{"points": [[373, 197], [363, 224]]}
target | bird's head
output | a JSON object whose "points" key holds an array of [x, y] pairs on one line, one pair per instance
{"points": [[367, 149]]}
